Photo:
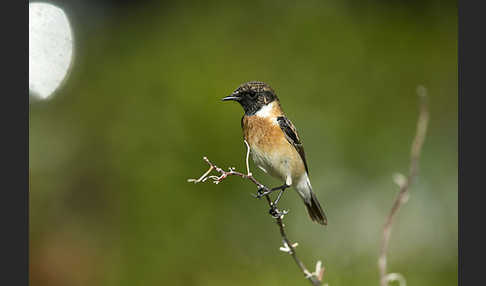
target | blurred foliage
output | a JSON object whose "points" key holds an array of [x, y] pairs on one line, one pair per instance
{"points": [[110, 153]]}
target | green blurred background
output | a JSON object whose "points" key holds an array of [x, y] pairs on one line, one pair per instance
{"points": [[111, 151]]}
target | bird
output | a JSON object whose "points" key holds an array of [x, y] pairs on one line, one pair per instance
{"points": [[275, 145]]}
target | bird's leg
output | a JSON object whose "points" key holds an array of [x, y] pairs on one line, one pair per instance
{"points": [[273, 209], [278, 197], [262, 192]]}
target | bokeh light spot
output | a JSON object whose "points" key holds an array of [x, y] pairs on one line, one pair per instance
{"points": [[50, 48]]}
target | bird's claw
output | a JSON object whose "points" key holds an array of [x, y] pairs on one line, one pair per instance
{"points": [[275, 213], [261, 192]]}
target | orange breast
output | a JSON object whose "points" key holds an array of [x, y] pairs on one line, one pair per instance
{"points": [[270, 147], [263, 133]]}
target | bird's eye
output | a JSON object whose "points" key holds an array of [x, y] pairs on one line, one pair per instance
{"points": [[252, 94]]}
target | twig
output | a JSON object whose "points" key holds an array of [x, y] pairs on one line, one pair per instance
{"points": [[404, 184], [315, 277]]}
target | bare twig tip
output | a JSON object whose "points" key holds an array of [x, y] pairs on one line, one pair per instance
{"points": [[399, 179], [396, 277], [421, 91], [319, 270]]}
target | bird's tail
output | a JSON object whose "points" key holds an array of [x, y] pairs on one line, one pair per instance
{"points": [[315, 210], [311, 203]]}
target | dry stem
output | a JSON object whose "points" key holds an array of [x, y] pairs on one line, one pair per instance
{"points": [[404, 184], [315, 277]]}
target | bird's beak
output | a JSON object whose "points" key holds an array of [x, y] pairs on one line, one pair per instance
{"points": [[231, 97]]}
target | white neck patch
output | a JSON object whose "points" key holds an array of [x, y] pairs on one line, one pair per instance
{"points": [[266, 110]]}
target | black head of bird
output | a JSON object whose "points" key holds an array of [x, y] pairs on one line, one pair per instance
{"points": [[252, 96]]}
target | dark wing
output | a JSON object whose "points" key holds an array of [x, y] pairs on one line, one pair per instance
{"points": [[291, 134]]}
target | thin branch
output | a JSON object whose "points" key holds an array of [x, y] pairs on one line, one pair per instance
{"points": [[315, 277], [404, 184]]}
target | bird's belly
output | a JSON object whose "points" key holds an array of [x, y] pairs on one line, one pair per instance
{"points": [[273, 163]]}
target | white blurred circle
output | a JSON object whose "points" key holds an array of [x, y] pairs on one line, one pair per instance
{"points": [[50, 48]]}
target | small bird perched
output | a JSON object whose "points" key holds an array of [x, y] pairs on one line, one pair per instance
{"points": [[274, 143]]}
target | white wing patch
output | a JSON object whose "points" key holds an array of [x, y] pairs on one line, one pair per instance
{"points": [[288, 181]]}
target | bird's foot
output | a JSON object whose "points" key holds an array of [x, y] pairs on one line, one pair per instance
{"points": [[261, 192], [276, 213]]}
